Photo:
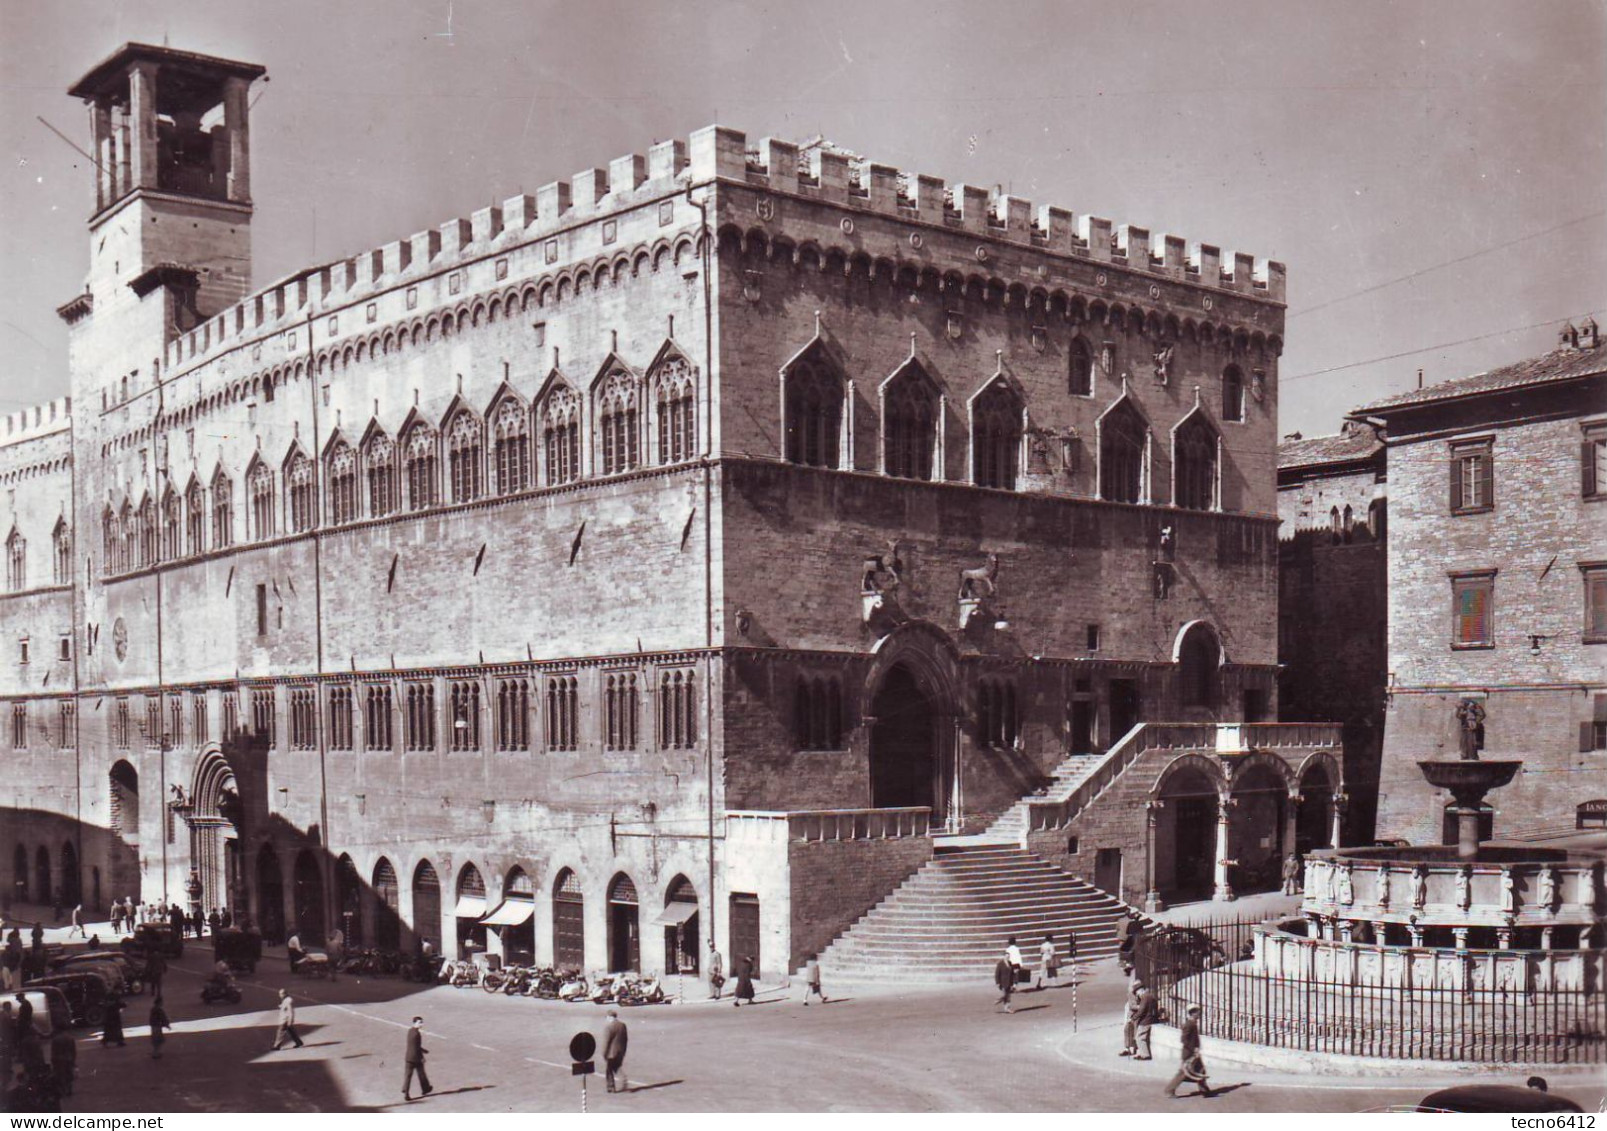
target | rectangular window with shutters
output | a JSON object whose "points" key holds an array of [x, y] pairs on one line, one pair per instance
{"points": [[1595, 576], [1593, 731], [1472, 476], [1593, 462], [1473, 610]]}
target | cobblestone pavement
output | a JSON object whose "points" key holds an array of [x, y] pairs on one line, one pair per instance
{"points": [[868, 1050]]}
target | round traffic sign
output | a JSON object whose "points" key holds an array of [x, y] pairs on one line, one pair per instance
{"points": [[582, 1046]]}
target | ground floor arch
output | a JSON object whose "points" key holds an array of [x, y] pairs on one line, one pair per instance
{"points": [[310, 922], [270, 895], [469, 909], [514, 919], [215, 834], [568, 921], [681, 927], [1315, 820], [903, 743], [71, 884], [20, 886], [427, 905], [1260, 800], [349, 901], [624, 925], [1185, 834], [387, 906], [44, 890]]}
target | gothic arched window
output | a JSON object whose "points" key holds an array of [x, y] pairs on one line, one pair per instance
{"points": [[814, 422], [617, 421], [560, 436], [172, 526], [111, 542], [379, 463], [1080, 368], [1123, 441], [909, 425], [465, 461], [342, 484], [194, 519], [148, 533], [301, 486], [1232, 393], [259, 485], [674, 402], [129, 525], [63, 543], [510, 427], [996, 437], [223, 510], [16, 561], [423, 480], [1194, 465]]}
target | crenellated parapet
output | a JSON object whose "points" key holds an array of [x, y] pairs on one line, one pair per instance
{"points": [[37, 420]]}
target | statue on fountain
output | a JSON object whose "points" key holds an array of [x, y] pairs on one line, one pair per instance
{"points": [[1470, 718]]}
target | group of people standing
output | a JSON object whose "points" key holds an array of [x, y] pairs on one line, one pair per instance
{"points": [[127, 914], [1011, 971]]}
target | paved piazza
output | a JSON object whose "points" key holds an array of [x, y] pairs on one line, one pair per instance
{"points": [[871, 1050]]}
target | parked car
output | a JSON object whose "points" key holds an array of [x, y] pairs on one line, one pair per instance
{"points": [[155, 938], [242, 950], [1173, 953], [125, 974], [85, 993], [1504, 1099], [52, 1025]]}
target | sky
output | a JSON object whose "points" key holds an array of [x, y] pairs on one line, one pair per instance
{"points": [[1432, 173]]}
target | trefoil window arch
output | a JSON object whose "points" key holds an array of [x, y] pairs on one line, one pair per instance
{"points": [[1195, 464], [510, 429], [1123, 446], [223, 510], [618, 423], [419, 455], [194, 519], [910, 409], [996, 437], [465, 461], [342, 484], [260, 487], [560, 436], [379, 463], [675, 405], [814, 415], [301, 487]]}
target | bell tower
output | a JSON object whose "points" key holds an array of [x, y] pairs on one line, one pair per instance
{"points": [[171, 143]]}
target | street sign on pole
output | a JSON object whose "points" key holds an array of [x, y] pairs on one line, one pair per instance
{"points": [[581, 1048]]}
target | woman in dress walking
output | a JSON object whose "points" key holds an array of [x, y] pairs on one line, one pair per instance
{"points": [[744, 980], [1048, 962]]}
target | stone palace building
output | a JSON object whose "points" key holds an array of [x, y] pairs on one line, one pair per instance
{"points": [[691, 551]]}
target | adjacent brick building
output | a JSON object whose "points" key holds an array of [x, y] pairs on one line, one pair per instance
{"points": [[478, 582], [1333, 599], [1498, 587]]}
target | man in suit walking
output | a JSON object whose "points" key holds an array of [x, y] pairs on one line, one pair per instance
{"points": [[615, 1038], [1192, 1068], [287, 1022], [415, 1062]]}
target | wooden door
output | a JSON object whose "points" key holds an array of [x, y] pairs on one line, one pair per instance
{"points": [[745, 931]]}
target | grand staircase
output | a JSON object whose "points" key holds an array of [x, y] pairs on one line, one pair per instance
{"points": [[1063, 782], [950, 921]]}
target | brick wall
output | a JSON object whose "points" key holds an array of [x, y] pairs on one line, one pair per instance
{"points": [[835, 882]]}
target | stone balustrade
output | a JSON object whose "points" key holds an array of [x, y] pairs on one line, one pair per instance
{"points": [[828, 824], [1281, 953]]}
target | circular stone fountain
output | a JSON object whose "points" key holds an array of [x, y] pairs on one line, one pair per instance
{"points": [[1472, 952]]}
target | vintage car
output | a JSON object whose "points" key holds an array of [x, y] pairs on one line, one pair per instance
{"points": [[52, 1022], [1503, 1099], [85, 993], [123, 971], [155, 938], [242, 950]]}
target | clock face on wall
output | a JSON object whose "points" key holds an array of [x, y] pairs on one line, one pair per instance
{"points": [[120, 640]]}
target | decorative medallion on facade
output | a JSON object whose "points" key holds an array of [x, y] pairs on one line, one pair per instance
{"points": [[956, 324], [916, 241], [765, 208], [847, 225], [120, 640]]}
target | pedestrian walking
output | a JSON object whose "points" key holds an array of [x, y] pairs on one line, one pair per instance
{"points": [[1004, 976], [226, 917], [11, 963], [214, 922], [287, 1021], [155, 971], [117, 916], [37, 936], [812, 981], [615, 1038], [745, 966], [336, 949], [716, 972], [414, 1062], [1048, 961], [1012, 955], [1291, 874], [1148, 1012], [1128, 1019], [1192, 1068], [78, 923], [159, 1026], [112, 1026], [1128, 931]]}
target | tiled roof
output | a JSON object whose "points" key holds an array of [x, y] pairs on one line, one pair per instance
{"points": [[1341, 447], [1559, 365]]}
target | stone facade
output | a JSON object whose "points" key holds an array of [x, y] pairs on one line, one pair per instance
{"points": [[658, 402], [1536, 529]]}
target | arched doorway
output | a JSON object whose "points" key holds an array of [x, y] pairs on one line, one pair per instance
{"points": [[427, 905], [97, 896], [41, 875], [624, 925], [214, 822], [123, 785], [515, 918], [19, 874], [71, 887], [387, 907], [1199, 659], [349, 885], [309, 897], [469, 910], [270, 895], [903, 743], [680, 921], [568, 921], [1256, 843], [1185, 836], [1314, 826]]}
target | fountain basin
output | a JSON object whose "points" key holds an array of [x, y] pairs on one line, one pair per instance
{"points": [[1469, 781]]}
